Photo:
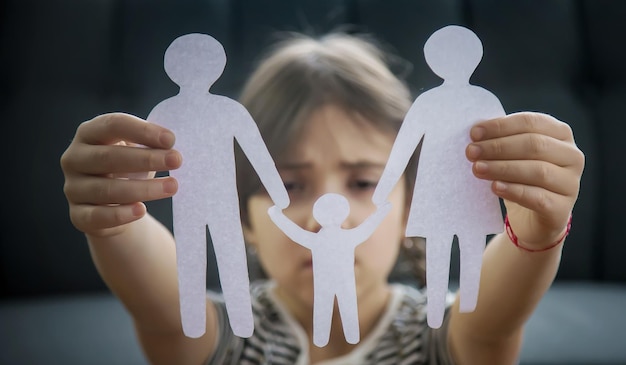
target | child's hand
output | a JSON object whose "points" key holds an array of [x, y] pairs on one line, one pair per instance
{"points": [[535, 167], [101, 199]]}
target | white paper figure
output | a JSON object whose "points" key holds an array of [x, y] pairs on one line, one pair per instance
{"points": [[448, 199], [206, 126], [332, 250]]}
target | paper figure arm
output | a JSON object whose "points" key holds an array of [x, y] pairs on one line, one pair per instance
{"points": [[291, 230], [249, 138], [365, 229], [409, 136]]}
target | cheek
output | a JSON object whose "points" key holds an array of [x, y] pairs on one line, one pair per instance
{"points": [[395, 221], [258, 218], [391, 231], [273, 248], [383, 247], [380, 251]]}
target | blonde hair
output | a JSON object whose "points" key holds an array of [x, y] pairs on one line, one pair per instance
{"points": [[299, 75]]}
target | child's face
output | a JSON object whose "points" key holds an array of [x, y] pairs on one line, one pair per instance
{"points": [[334, 154]]}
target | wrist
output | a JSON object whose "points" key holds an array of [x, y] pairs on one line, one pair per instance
{"points": [[121, 232], [515, 240]]}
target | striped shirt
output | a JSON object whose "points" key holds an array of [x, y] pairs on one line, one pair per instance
{"points": [[401, 336]]}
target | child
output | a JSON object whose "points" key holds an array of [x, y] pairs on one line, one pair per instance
{"points": [[328, 110]]}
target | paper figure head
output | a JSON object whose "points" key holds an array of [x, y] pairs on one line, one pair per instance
{"points": [[453, 53], [331, 209], [195, 59]]}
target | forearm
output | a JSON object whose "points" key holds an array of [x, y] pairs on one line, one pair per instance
{"points": [[535, 167], [134, 253], [139, 266], [512, 283]]}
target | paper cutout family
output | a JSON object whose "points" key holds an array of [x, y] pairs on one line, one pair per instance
{"points": [[448, 200]]}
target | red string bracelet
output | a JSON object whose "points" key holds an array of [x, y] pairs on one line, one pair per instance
{"points": [[514, 239]]}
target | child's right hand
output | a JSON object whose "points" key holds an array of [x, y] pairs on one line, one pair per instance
{"points": [[102, 201]]}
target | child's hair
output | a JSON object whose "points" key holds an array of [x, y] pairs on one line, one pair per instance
{"points": [[301, 74]]}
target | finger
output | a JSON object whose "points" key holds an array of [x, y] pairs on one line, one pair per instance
{"points": [[532, 173], [99, 159], [115, 127], [535, 198], [518, 123], [90, 218], [103, 190], [525, 146]]}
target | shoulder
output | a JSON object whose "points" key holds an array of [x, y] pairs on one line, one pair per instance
{"points": [[486, 99], [228, 105], [159, 112]]}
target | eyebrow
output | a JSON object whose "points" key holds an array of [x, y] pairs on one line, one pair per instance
{"points": [[293, 165], [362, 165], [357, 165]]}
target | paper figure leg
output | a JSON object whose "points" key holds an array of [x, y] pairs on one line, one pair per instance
{"points": [[230, 254], [323, 303], [438, 249], [471, 256], [191, 265], [348, 310]]}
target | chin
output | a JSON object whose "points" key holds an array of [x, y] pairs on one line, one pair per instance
{"points": [[300, 290]]}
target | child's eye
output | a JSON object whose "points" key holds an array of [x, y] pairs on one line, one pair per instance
{"points": [[363, 184], [293, 186]]}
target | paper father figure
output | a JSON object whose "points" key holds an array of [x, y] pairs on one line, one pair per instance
{"points": [[332, 250], [448, 199], [206, 126]]}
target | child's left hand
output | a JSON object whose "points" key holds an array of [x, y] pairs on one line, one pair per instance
{"points": [[535, 167]]}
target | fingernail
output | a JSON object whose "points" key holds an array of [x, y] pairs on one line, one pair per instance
{"points": [[138, 210], [167, 139], [481, 167], [172, 160], [499, 186], [170, 186], [477, 133], [473, 152]]}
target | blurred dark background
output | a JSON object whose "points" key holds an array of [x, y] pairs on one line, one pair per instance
{"points": [[65, 61]]}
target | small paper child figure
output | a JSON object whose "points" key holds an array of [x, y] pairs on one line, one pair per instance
{"points": [[448, 199], [206, 126], [332, 250]]}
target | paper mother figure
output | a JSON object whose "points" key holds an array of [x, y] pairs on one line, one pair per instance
{"points": [[447, 200], [206, 126]]}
